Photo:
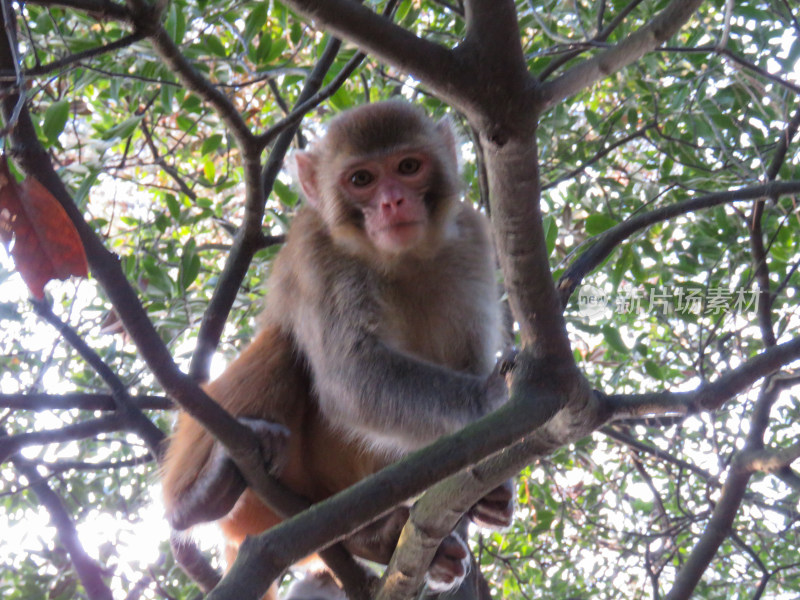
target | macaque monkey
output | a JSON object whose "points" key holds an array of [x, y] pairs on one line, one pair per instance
{"points": [[379, 335]]}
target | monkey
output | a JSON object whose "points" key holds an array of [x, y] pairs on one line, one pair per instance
{"points": [[379, 335], [317, 585]]}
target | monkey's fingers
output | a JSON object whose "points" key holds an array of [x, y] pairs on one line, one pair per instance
{"points": [[274, 442], [507, 361], [450, 564], [496, 509]]}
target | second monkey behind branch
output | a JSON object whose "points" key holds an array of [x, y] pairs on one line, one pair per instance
{"points": [[379, 335]]}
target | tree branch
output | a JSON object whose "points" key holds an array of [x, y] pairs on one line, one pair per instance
{"points": [[645, 39], [301, 109], [733, 492], [68, 433], [89, 572], [81, 401], [768, 460], [100, 9], [146, 19], [193, 563], [432, 64], [708, 396], [757, 249], [741, 62], [606, 242], [641, 132], [601, 36], [263, 558], [249, 236], [131, 417]]}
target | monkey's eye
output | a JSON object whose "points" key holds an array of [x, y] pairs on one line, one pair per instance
{"points": [[361, 178], [409, 166]]}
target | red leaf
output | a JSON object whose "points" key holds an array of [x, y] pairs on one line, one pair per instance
{"points": [[46, 243]]}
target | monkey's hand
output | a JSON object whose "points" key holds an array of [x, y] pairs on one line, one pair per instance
{"points": [[496, 509], [450, 564], [218, 487], [274, 439], [496, 392]]}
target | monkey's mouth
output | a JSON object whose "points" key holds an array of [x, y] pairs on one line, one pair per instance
{"points": [[402, 225]]}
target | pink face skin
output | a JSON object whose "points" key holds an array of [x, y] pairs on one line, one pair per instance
{"points": [[390, 192]]}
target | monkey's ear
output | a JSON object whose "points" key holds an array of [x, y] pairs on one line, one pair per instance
{"points": [[305, 169], [451, 140]]}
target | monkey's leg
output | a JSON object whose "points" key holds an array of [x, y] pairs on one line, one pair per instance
{"points": [[496, 509], [450, 563], [219, 485]]}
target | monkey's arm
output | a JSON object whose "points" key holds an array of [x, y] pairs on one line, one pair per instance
{"points": [[364, 384]]}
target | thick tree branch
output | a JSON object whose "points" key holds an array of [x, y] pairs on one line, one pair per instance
{"points": [[768, 460], [601, 36], [513, 178], [647, 38], [376, 35], [438, 511], [605, 243], [489, 37], [265, 556]]}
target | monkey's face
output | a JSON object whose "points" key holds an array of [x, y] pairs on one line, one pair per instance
{"points": [[390, 193]]}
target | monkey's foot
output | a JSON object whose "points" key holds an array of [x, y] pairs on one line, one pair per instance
{"points": [[450, 564], [496, 509], [274, 439]]}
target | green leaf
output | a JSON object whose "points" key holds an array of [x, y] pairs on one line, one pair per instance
{"points": [[173, 206], [55, 119], [654, 370], [596, 224], [287, 195], [215, 46], [255, 21], [190, 264], [550, 234], [122, 130], [614, 339], [211, 143]]}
